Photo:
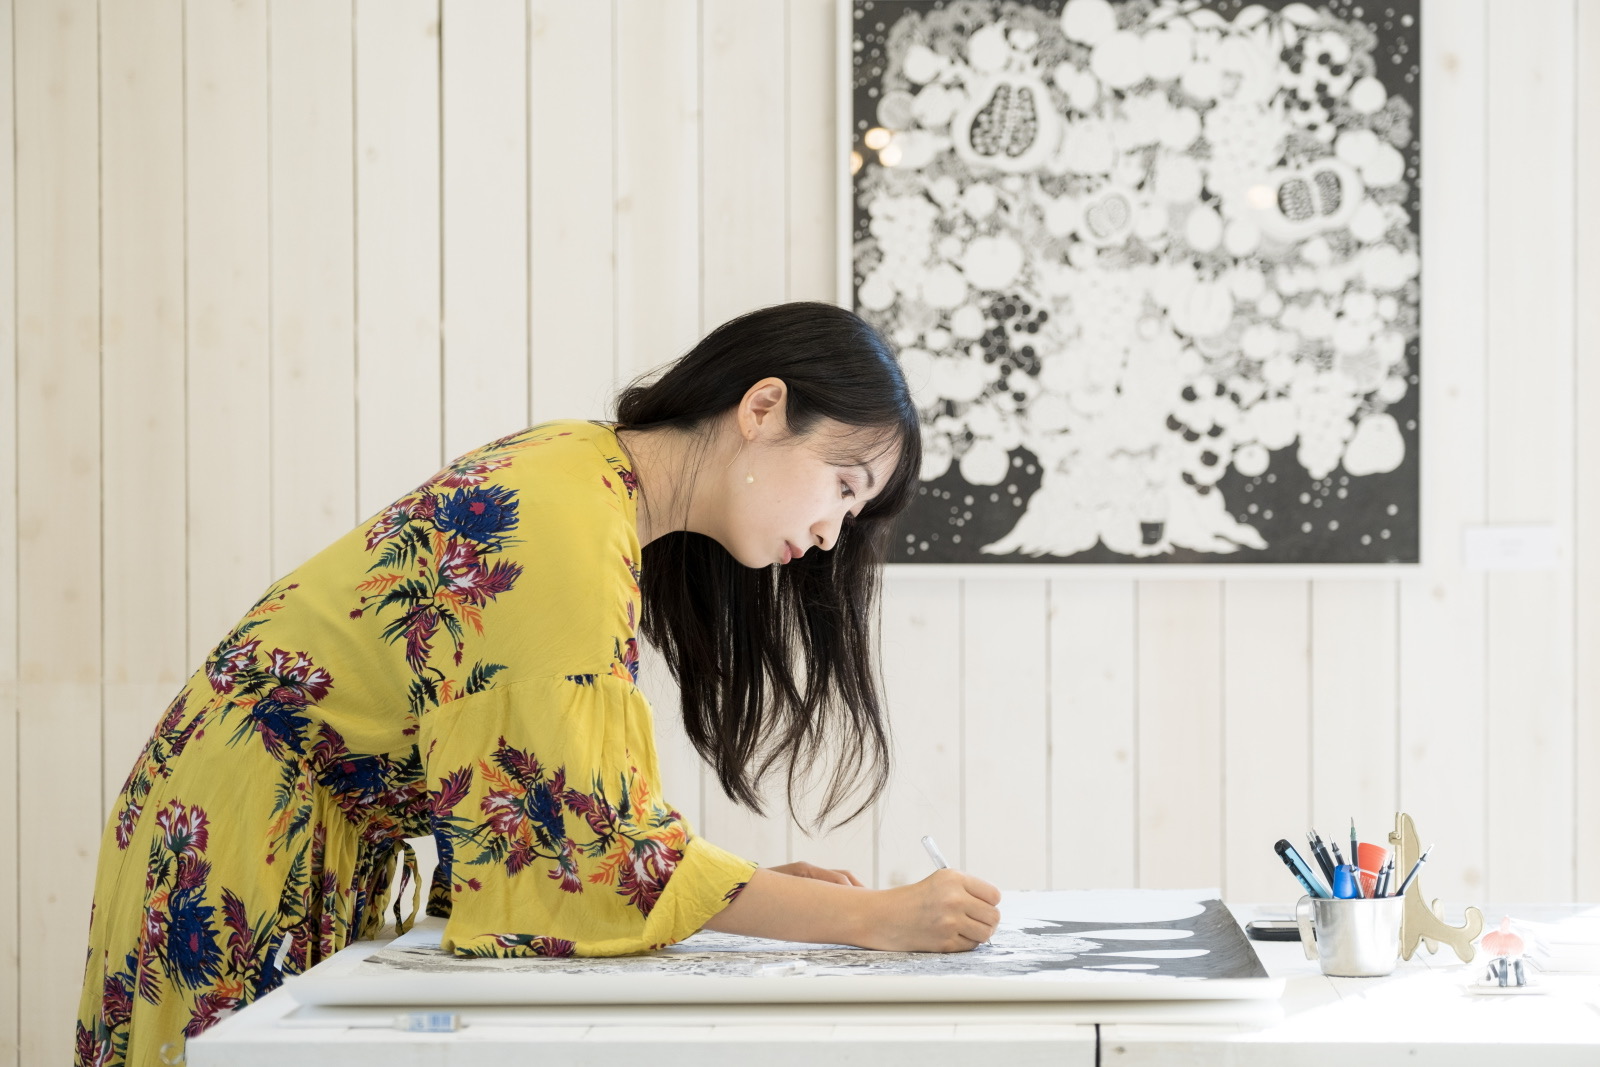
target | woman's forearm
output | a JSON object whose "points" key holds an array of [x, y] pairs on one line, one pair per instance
{"points": [[948, 911], [788, 908]]}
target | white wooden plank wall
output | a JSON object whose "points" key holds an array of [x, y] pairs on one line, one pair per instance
{"points": [[268, 263], [1442, 749], [1586, 752], [10, 609], [1529, 446], [59, 593]]}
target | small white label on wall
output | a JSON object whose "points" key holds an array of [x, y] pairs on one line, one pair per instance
{"points": [[1531, 547]]}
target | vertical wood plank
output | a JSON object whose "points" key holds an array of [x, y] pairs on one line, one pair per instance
{"points": [[1354, 645], [1587, 396], [1005, 715], [1265, 733], [142, 301], [398, 322], [1530, 431], [313, 277], [1442, 703], [809, 248], [10, 865], [571, 217], [1094, 803], [658, 182], [656, 101], [743, 200], [60, 653], [1180, 734], [228, 396], [743, 67], [484, 103], [922, 673], [811, 105]]}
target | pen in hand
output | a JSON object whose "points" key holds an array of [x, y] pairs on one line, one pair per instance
{"points": [[934, 853]]}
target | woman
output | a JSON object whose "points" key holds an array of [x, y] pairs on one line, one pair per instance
{"points": [[463, 664]]}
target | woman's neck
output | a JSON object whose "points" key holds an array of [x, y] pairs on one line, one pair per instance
{"points": [[659, 458]]}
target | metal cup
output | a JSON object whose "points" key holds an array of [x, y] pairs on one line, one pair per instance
{"points": [[1355, 938]]}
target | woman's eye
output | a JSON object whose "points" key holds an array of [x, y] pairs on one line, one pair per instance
{"points": [[845, 487]]}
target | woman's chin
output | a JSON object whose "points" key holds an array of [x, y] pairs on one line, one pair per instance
{"points": [[753, 560]]}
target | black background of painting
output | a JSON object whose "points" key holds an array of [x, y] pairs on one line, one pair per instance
{"points": [[1363, 512], [1229, 953]]}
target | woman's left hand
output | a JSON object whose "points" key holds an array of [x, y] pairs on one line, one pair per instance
{"points": [[802, 869]]}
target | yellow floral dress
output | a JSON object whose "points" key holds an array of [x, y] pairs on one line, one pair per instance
{"points": [[463, 664]]}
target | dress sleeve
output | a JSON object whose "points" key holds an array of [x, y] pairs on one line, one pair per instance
{"points": [[554, 838], [545, 799]]}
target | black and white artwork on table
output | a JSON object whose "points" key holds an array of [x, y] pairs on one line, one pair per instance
{"points": [[1152, 270], [1061, 945]]}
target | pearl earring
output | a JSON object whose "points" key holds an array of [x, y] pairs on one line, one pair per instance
{"points": [[749, 477]]}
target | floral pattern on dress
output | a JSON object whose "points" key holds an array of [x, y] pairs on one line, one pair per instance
{"points": [[178, 946], [435, 567], [522, 945], [233, 666], [633, 844]]}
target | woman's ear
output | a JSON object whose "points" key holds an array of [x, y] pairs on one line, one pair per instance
{"points": [[762, 410]]}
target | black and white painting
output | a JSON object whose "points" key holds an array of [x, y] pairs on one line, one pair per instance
{"points": [[1121, 944], [1152, 271]]}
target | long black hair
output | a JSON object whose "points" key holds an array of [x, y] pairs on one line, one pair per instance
{"points": [[775, 664]]}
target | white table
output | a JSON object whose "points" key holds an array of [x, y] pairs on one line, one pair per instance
{"points": [[1419, 1016]]}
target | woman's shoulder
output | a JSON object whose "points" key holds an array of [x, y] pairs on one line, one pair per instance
{"points": [[560, 446], [564, 464]]}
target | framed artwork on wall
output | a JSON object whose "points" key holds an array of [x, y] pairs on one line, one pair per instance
{"points": [[1152, 270]]}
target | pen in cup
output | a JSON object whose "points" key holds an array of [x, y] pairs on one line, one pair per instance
{"points": [[1298, 868], [1384, 874], [1319, 852], [1414, 870]]}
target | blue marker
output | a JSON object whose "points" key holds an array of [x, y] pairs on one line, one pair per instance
{"points": [[1298, 868], [1345, 886]]}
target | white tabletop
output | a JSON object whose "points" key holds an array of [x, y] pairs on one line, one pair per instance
{"points": [[1419, 1016]]}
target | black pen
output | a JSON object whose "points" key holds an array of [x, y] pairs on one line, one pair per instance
{"points": [[1320, 854], [1407, 883], [1381, 889]]}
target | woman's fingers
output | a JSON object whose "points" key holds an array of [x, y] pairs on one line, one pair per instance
{"points": [[984, 914], [822, 874], [976, 932], [802, 869], [983, 890]]}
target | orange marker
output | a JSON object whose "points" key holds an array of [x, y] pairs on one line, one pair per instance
{"points": [[1370, 861]]}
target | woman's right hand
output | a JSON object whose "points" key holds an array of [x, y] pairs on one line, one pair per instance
{"points": [[948, 911]]}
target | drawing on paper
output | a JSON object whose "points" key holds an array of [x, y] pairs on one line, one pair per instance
{"points": [[1082, 935], [1152, 270]]}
